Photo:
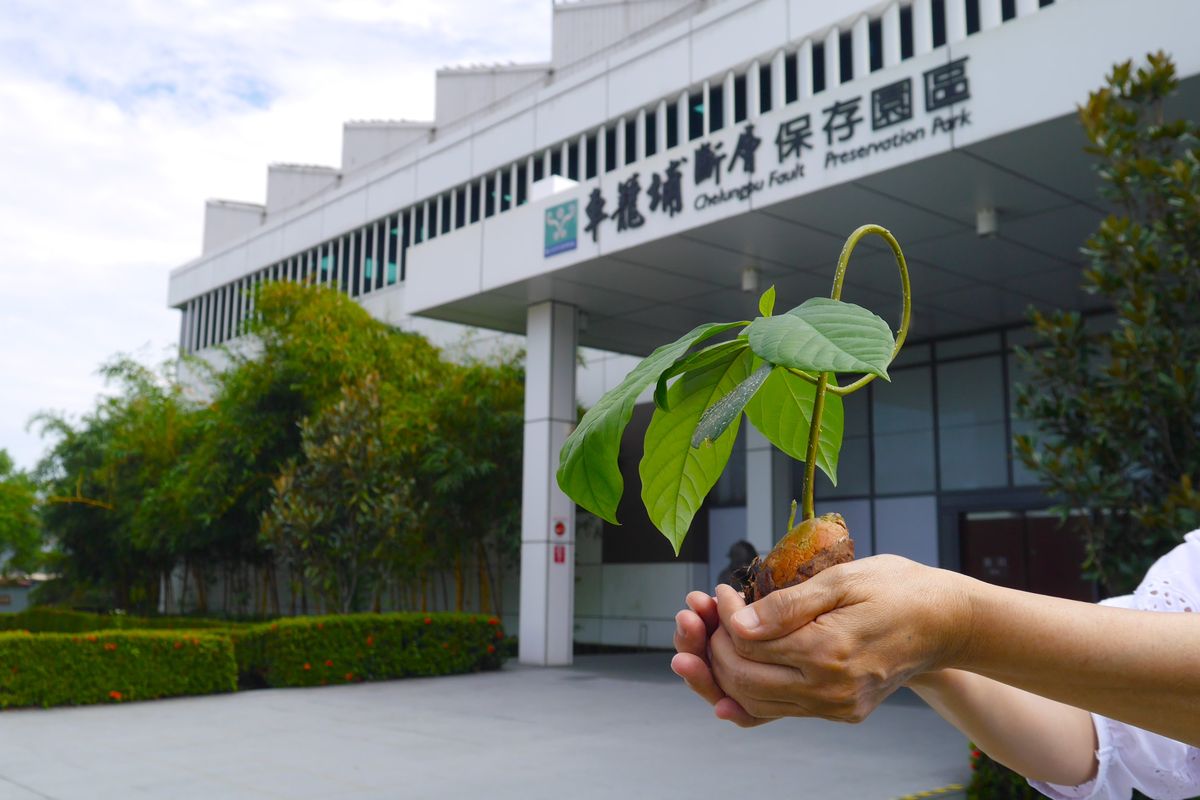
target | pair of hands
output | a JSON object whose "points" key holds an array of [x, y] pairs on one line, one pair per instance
{"points": [[833, 647]]}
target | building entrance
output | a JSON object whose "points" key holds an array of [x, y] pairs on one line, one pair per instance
{"points": [[1027, 550]]}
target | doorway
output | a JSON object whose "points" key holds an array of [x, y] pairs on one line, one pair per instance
{"points": [[1027, 550]]}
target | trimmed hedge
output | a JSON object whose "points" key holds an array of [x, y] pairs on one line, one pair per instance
{"points": [[42, 619], [315, 651], [51, 669]]}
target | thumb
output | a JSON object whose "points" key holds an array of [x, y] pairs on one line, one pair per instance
{"points": [[786, 610]]}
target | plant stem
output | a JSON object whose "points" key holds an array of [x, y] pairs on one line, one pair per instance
{"points": [[839, 278]]}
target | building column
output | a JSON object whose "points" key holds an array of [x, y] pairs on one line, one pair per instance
{"points": [[768, 491], [547, 515]]}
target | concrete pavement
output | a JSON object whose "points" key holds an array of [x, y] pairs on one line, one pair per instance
{"points": [[611, 726]]}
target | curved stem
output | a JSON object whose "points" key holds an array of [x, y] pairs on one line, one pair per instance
{"points": [[839, 278]]}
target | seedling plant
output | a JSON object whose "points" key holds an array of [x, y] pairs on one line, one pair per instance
{"points": [[781, 371]]}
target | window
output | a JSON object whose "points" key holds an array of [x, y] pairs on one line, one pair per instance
{"points": [[475, 206], [419, 225], [845, 58], [651, 133], [393, 248], [1008, 9], [854, 462], [716, 110], [902, 417], [972, 444], [406, 239], [506, 190], [695, 115], [431, 221], [764, 88], [444, 216], [556, 165], [572, 161], [539, 167], [672, 125], [630, 141], [460, 204], [818, 68], [875, 38], [356, 258], [791, 78], [489, 196], [939, 22], [610, 148], [906, 32], [590, 165], [739, 98], [972, 16]]}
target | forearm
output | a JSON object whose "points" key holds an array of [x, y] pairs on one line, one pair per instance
{"points": [[1038, 738], [1134, 666]]}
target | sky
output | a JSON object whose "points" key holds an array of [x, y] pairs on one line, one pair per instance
{"points": [[119, 118]]}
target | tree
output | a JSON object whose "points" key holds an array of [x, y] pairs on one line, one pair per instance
{"points": [[1117, 412], [343, 514], [20, 525]]}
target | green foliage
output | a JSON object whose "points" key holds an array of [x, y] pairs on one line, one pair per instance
{"points": [[782, 412], [314, 651], [676, 477], [347, 507], [53, 669], [824, 335], [20, 524], [44, 619], [991, 780], [1116, 411]]}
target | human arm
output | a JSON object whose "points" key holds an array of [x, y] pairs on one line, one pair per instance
{"points": [[856, 632]]}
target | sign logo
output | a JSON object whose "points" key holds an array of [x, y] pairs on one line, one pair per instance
{"points": [[562, 227]]}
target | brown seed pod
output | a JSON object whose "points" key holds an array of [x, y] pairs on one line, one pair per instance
{"points": [[807, 549]]}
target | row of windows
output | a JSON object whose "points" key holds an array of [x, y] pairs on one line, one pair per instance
{"points": [[375, 256]]}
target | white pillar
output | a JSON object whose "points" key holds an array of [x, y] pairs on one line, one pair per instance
{"points": [[922, 25], [547, 556], [990, 14], [707, 127], [1026, 7], [778, 80], [860, 40], [727, 94], [621, 143], [804, 70], [681, 119], [753, 92], [768, 491], [660, 128], [833, 59], [601, 150], [956, 21], [639, 135], [890, 30]]}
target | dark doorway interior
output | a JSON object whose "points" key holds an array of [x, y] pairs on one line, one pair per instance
{"points": [[1026, 550]]}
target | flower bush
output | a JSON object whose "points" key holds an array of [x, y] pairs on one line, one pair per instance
{"points": [[51, 669]]}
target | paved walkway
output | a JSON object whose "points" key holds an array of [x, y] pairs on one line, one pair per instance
{"points": [[612, 726]]}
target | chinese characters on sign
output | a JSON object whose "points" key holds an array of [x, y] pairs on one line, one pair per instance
{"points": [[890, 108]]}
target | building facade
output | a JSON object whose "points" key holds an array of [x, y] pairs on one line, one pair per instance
{"points": [[672, 159]]}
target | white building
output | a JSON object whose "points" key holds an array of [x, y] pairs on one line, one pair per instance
{"points": [[747, 138]]}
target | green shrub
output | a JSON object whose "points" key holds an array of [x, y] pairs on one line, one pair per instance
{"points": [[314, 651], [991, 780], [51, 669]]}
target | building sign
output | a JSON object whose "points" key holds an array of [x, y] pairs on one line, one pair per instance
{"points": [[562, 227], [847, 130]]}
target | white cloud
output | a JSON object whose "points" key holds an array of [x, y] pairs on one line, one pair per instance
{"points": [[121, 118]]}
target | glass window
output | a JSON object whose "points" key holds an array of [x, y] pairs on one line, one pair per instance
{"points": [[968, 346], [716, 110], [356, 258], [672, 126], [489, 197], [630, 141], [730, 489], [419, 225], [907, 526], [845, 58], [590, 171], [444, 216], [1017, 376], [695, 115], [875, 38], [610, 148], [539, 167], [972, 16], [906, 32], [739, 98], [902, 416], [506, 190], [431, 227], [651, 133], [1008, 9], [556, 165], [971, 439], [854, 461], [572, 163], [791, 84], [460, 202], [818, 68], [475, 206], [939, 22], [912, 354]]}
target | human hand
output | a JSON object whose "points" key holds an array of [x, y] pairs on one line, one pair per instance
{"points": [[838, 644], [693, 627]]}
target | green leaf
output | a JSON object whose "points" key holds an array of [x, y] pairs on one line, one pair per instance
{"points": [[719, 417], [766, 303], [823, 335], [782, 412], [587, 470], [695, 361], [675, 476]]}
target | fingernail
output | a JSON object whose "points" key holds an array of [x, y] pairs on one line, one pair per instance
{"points": [[747, 618]]}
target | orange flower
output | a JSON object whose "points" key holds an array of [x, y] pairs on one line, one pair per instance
{"points": [[499, 634], [110, 646], [320, 626], [114, 694], [329, 662], [92, 638], [349, 676], [493, 621], [445, 645], [370, 641], [491, 649], [178, 645], [307, 666], [428, 620]]}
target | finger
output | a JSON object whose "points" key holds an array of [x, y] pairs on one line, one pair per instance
{"points": [[728, 709], [706, 607], [697, 676], [786, 610], [729, 601], [691, 635]]}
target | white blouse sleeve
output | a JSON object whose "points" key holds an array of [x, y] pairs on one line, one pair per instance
{"points": [[1131, 758]]}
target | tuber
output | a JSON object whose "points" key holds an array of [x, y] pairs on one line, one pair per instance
{"points": [[808, 548]]}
